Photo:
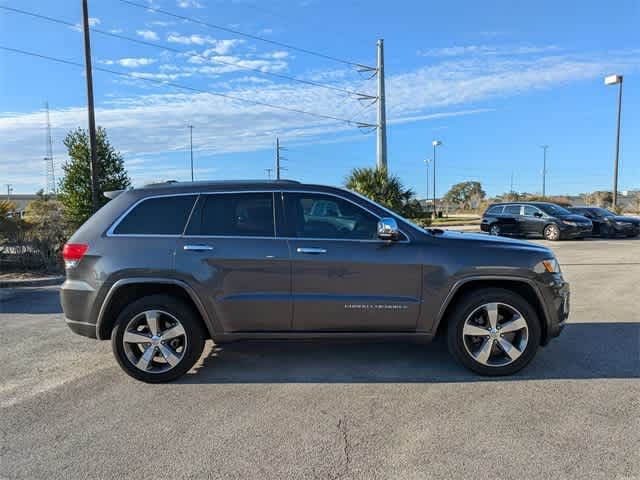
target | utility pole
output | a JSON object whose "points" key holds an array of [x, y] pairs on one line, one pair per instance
{"points": [[426, 181], [268, 170], [511, 189], [544, 170], [93, 165], [279, 158], [9, 190], [191, 148], [381, 144]]}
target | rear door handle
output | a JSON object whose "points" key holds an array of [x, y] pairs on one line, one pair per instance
{"points": [[311, 250], [197, 248]]}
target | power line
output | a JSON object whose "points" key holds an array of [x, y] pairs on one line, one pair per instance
{"points": [[193, 89], [184, 52], [243, 34]]}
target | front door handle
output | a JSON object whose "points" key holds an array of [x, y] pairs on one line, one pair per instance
{"points": [[197, 248], [311, 250]]}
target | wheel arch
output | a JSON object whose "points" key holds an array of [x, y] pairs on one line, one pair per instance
{"points": [[522, 286], [118, 297]]}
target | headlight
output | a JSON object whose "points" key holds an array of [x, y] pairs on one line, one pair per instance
{"points": [[569, 222], [549, 265]]}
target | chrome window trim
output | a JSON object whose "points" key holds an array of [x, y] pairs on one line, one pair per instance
{"points": [[115, 224]]}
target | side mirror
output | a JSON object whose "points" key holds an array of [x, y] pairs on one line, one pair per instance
{"points": [[388, 229], [537, 214]]}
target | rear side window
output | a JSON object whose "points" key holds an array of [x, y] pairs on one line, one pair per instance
{"points": [[238, 215], [497, 210], [512, 210], [157, 216]]}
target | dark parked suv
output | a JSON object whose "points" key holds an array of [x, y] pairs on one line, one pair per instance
{"points": [[534, 219], [160, 269], [607, 224]]}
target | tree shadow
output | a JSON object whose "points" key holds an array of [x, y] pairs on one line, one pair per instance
{"points": [[583, 351], [31, 300]]}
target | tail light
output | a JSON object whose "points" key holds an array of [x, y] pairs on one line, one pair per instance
{"points": [[72, 253]]}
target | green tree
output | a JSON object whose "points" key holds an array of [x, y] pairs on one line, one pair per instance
{"points": [[465, 194], [386, 189], [75, 187]]}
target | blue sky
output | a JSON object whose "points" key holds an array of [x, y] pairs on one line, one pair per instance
{"points": [[492, 80]]}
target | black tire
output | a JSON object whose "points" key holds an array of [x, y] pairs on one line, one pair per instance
{"points": [[194, 334], [552, 232], [467, 305]]}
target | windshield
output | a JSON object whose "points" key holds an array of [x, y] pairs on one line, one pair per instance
{"points": [[553, 210]]}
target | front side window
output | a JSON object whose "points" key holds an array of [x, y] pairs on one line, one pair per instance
{"points": [[237, 215], [497, 210], [317, 215], [512, 210], [530, 211], [157, 216]]}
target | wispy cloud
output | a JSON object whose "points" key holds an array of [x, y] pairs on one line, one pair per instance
{"points": [[470, 50], [189, 4], [130, 62], [148, 34], [218, 46], [147, 124]]}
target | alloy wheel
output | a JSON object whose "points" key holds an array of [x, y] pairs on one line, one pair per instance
{"points": [[494, 230], [552, 232], [154, 341], [495, 334]]}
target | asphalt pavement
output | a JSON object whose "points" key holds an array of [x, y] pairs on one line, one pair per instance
{"points": [[333, 410]]}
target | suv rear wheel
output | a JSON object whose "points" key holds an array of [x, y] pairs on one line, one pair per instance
{"points": [[493, 332], [157, 339]]}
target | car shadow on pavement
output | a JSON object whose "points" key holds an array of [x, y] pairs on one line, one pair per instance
{"points": [[583, 351]]}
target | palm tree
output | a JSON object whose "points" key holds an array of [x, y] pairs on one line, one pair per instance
{"points": [[384, 188]]}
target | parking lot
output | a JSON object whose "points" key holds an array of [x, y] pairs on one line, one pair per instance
{"points": [[333, 410]]}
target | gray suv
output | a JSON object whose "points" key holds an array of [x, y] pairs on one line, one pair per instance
{"points": [[162, 268]]}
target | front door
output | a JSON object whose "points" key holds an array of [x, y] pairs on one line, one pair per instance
{"points": [[533, 221], [344, 277], [241, 270]]}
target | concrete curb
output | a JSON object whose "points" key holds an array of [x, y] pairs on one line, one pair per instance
{"points": [[35, 282]]}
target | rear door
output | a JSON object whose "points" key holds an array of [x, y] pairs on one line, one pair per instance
{"points": [[344, 278], [510, 219], [231, 255]]}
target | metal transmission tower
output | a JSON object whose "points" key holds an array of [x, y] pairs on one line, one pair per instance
{"points": [[50, 175], [279, 158], [544, 169], [381, 143]]}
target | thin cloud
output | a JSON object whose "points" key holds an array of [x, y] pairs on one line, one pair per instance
{"points": [[470, 50], [189, 4], [148, 34], [148, 124], [130, 62]]}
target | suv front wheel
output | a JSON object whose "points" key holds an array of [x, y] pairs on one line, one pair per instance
{"points": [[157, 338], [493, 332]]}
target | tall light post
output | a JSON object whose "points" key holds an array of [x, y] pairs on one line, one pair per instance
{"points": [[613, 80], [426, 180], [435, 143], [544, 169]]}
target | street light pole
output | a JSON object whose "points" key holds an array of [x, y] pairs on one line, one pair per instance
{"points": [[426, 180], [435, 143], [612, 80]]}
